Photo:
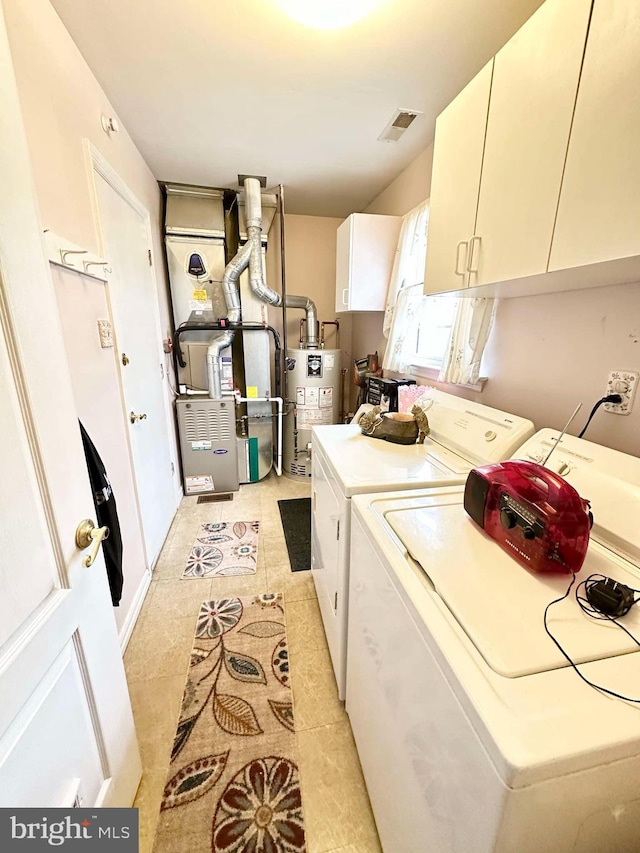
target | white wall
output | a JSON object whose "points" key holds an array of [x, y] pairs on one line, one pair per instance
{"points": [[546, 353]]}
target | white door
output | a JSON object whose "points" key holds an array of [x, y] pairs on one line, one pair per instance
{"points": [[66, 728], [124, 227]]}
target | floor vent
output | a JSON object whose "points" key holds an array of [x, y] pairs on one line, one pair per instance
{"points": [[208, 499]]}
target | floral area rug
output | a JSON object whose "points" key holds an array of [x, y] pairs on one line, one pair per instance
{"points": [[224, 548], [233, 784]]}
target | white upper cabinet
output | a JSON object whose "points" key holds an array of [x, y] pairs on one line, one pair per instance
{"points": [[599, 212], [366, 247], [533, 93], [457, 165]]}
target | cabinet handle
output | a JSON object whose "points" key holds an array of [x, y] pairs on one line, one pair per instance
{"points": [[471, 267], [345, 296], [466, 246]]}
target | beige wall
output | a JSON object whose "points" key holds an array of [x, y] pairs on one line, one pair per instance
{"points": [[310, 257], [411, 187], [546, 353]]}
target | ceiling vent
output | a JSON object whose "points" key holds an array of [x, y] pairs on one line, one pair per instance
{"points": [[400, 121]]}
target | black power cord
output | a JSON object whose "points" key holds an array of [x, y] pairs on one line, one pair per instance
{"points": [[610, 398], [591, 594]]}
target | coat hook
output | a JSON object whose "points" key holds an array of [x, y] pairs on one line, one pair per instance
{"points": [[104, 264], [65, 252]]}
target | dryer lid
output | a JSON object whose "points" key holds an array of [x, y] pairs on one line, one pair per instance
{"points": [[499, 604]]}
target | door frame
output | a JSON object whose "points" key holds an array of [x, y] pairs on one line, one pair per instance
{"points": [[98, 164]]}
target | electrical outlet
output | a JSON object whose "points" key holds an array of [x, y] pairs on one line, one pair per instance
{"points": [[625, 383]]}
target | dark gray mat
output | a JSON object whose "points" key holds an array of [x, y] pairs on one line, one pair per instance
{"points": [[295, 514]]}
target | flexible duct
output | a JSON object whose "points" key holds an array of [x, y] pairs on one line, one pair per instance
{"points": [[232, 273], [253, 216]]}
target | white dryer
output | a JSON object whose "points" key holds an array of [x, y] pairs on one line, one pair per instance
{"points": [[346, 463], [474, 732]]}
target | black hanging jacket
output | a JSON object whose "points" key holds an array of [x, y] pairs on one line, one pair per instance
{"points": [[107, 513]]}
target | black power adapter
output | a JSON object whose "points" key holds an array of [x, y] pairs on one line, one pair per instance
{"points": [[610, 597]]}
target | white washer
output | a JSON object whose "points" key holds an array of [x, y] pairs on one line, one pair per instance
{"points": [[347, 463], [473, 731]]}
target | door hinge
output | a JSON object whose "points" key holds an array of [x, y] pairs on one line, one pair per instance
{"points": [[335, 602], [161, 371], [150, 258], [338, 529]]}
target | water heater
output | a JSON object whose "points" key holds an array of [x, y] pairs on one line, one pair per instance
{"points": [[313, 384]]}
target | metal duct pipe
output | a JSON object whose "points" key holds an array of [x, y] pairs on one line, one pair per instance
{"points": [[232, 273], [253, 215], [312, 316]]}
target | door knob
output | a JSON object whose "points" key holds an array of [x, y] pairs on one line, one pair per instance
{"points": [[133, 417], [87, 533]]}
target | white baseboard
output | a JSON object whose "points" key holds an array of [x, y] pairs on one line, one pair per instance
{"points": [[134, 610]]}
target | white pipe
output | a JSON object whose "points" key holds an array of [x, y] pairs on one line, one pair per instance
{"points": [[279, 401]]}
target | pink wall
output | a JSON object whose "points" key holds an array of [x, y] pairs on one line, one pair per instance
{"points": [[546, 353]]}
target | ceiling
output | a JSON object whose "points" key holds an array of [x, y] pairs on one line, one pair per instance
{"points": [[212, 88]]}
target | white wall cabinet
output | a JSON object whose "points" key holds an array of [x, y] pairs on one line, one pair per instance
{"points": [[455, 185], [366, 247], [533, 94], [599, 212], [495, 196]]}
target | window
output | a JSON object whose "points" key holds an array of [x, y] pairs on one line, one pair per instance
{"points": [[437, 315]]}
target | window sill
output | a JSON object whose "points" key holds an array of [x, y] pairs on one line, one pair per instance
{"points": [[432, 374]]}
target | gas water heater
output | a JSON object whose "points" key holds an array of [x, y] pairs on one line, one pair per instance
{"points": [[313, 383]]}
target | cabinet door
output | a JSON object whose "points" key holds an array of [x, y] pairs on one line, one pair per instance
{"points": [[599, 213], [343, 264], [457, 164], [533, 93], [366, 246]]}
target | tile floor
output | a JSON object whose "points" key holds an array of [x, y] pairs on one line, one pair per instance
{"points": [[337, 812]]}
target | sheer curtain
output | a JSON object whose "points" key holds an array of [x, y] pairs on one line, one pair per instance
{"points": [[401, 316], [472, 322], [469, 336]]}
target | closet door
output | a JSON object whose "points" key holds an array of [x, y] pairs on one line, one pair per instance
{"points": [[535, 82], [599, 213], [457, 164]]}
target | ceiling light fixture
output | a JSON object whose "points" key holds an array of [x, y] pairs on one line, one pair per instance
{"points": [[327, 14]]}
